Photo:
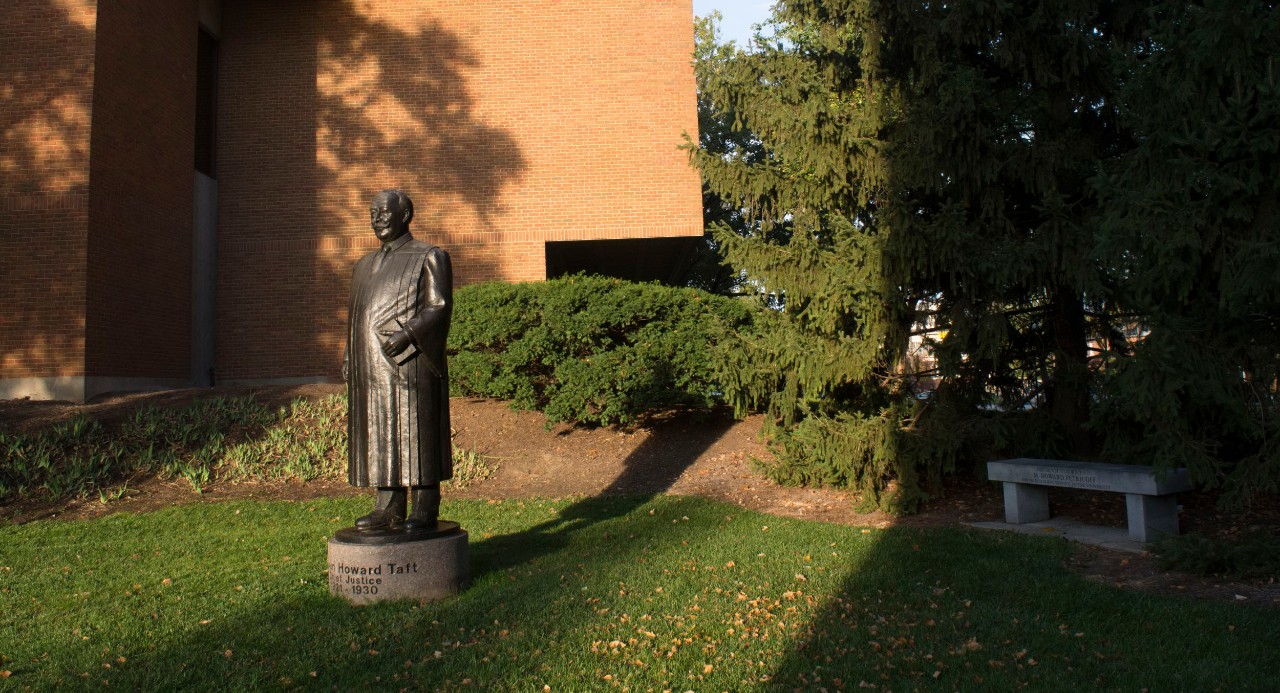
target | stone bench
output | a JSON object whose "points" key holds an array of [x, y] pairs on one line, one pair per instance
{"points": [[1150, 498]]}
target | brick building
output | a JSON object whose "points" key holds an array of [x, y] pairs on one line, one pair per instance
{"points": [[184, 184]]}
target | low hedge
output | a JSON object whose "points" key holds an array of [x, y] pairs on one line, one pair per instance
{"points": [[591, 349]]}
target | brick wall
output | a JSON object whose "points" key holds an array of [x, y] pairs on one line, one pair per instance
{"points": [[46, 92], [510, 124], [142, 190]]}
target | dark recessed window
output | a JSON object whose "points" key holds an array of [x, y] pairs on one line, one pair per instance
{"points": [[665, 260]]}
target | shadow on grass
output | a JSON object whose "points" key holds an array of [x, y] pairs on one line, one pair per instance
{"points": [[275, 624], [533, 588], [957, 609], [678, 593], [499, 626], [650, 470]]}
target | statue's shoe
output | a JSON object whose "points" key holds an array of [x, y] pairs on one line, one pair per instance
{"points": [[378, 519], [417, 523]]}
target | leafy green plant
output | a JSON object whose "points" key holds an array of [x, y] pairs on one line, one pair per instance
{"points": [[591, 349], [68, 459], [107, 496], [187, 443], [469, 467], [215, 438], [306, 440]]}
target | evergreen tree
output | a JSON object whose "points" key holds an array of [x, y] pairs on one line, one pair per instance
{"points": [[813, 245], [1191, 225], [1008, 110], [1033, 185], [932, 163], [719, 134]]}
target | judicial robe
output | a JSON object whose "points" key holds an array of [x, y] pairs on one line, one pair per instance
{"points": [[398, 414]]}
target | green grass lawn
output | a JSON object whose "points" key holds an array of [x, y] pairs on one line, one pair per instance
{"points": [[618, 593]]}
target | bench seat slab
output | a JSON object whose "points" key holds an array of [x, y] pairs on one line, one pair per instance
{"points": [[1093, 476], [1150, 502]]}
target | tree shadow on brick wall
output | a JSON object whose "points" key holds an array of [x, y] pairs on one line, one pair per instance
{"points": [[47, 87], [394, 109], [45, 103]]}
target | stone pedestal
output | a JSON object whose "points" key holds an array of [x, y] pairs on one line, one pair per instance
{"points": [[367, 567], [1151, 516], [1025, 503]]}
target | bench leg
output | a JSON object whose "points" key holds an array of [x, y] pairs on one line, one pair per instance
{"points": [[1025, 503], [1150, 516]]}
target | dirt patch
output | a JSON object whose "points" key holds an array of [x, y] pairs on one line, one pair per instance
{"points": [[707, 454]]}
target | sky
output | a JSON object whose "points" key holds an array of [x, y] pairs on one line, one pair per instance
{"points": [[739, 15]]}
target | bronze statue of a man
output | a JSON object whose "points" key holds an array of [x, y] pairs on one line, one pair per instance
{"points": [[397, 378]]}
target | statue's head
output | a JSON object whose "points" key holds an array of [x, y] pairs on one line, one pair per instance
{"points": [[390, 214]]}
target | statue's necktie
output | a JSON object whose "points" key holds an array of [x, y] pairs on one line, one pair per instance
{"points": [[382, 256]]}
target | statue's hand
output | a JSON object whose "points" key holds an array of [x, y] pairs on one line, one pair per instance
{"points": [[396, 343]]}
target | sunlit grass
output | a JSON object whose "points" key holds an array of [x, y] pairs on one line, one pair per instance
{"points": [[597, 594]]}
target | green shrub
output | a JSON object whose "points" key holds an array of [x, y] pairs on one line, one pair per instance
{"points": [[1252, 555], [591, 349]]}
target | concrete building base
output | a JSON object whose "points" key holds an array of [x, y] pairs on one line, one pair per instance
{"points": [[80, 388], [270, 382]]}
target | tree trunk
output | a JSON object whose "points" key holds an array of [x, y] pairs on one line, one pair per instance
{"points": [[1069, 390]]}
